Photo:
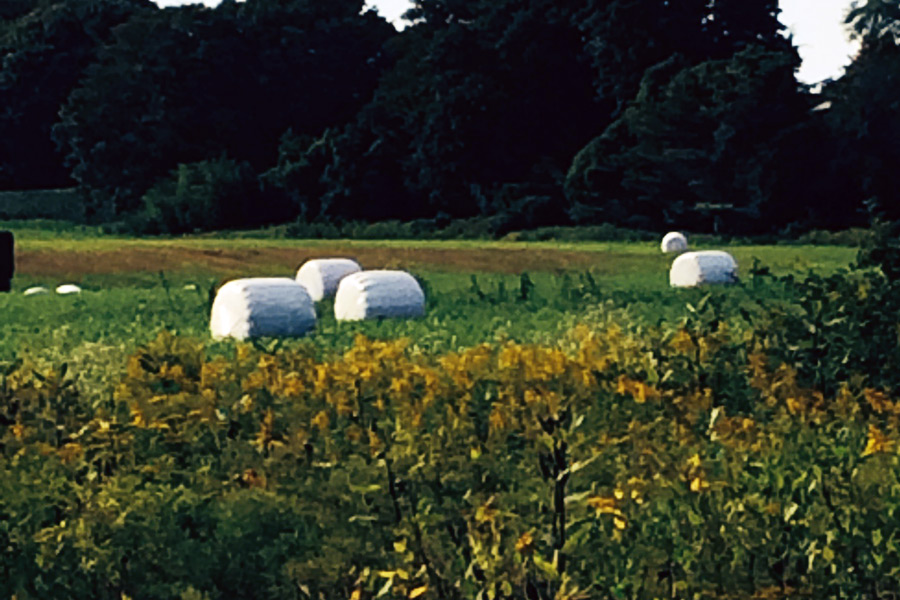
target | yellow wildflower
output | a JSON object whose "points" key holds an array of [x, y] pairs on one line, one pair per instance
{"points": [[877, 442], [138, 416], [252, 479], [878, 400], [698, 484], [321, 420], [603, 505], [486, 513], [292, 385], [245, 403], [682, 341], [415, 593], [354, 433], [375, 443], [497, 419], [525, 543], [70, 452], [400, 387], [266, 429]]}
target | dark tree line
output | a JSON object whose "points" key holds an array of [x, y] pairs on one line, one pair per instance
{"points": [[643, 113]]}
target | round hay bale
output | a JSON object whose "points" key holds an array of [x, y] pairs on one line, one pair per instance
{"points": [[372, 294], [698, 268], [68, 288], [36, 290], [321, 276], [674, 241], [262, 306]]}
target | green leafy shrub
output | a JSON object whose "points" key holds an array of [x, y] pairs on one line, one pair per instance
{"points": [[881, 249], [837, 329], [605, 232], [625, 461], [208, 195]]}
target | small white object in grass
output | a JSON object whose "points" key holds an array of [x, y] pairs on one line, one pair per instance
{"points": [[262, 306], [190, 287], [674, 241], [372, 294], [321, 276], [68, 288], [698, 268], [36, 290]]}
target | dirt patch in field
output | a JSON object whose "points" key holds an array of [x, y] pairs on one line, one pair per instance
{"points": [[283, 260]]}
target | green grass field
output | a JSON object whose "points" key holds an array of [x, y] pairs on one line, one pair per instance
{"points": [[135, 288]]}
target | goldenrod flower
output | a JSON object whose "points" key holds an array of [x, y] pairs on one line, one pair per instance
{"points": [[321, 420], [877, 442], [698, 484], [137, 416], [485, 513], [70, 452], [376, 445], [878, 400], [252, 479], [525, 543], [497, 419], [603, 505], [682, 341]]}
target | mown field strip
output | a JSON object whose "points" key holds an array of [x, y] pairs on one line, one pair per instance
{"points": [[224, 257]]}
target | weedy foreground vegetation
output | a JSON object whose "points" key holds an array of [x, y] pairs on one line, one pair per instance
{"points": [[602, 437]]}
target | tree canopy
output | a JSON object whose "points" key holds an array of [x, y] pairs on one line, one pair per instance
{"points": [[188, 84], [646, 113], [46, 47]]}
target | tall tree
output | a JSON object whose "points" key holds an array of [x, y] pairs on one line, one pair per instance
{"points": [[45, 51], [13, 9], [486, 96], [627, 37], [872, 19], [490, 100], [864, 118], [695, 136], [188, 84]]}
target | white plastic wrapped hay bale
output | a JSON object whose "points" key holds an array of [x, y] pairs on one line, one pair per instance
{"points": [[68, 288], [698, 268], [372, 294], [674, 241], [37, 290], [321, 276], [262, 306]]}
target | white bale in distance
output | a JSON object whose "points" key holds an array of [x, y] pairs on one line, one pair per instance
{"points": [[262, 306], [372, 294], [698, 268], [36, 290], [68, 288], [674, 241], [321, 276]]}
